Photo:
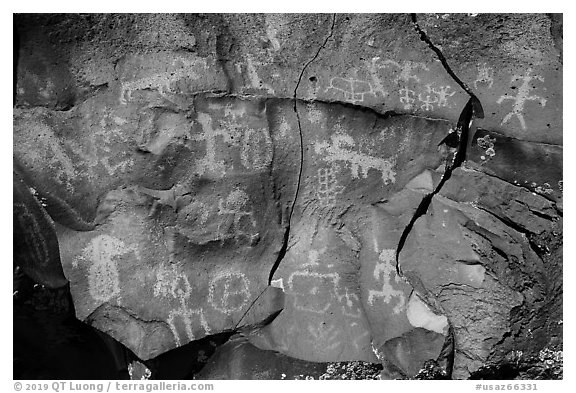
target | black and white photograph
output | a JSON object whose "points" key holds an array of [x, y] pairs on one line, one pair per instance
{"points": [[287, 196]]}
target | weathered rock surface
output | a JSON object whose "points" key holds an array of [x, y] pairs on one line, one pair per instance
{"points": [[213, 174]]}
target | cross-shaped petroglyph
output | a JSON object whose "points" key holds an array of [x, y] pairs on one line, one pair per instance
{"points": [[485, 76], [522, 96], [386, 268], [342, 149], [428, 101], [172, 284], [209, 163], [229, 292], [328, 187]]}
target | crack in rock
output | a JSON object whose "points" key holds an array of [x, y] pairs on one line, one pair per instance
{"points": [[283, 250]]}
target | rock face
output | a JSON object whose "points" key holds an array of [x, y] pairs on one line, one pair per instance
{"points": [[207, 174]]}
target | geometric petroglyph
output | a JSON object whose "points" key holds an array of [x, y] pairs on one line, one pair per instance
{"points": [[343, 149], [385, 268], [32, 235], [229, 292], [328, 188], [103, 276], [171, 283], [243, 223], [485, 76], [522, 96]]}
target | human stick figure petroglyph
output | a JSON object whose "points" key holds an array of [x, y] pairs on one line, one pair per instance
{"points": [[256, 147], [385, 268], [341, 149], [485, 76], [522, 96], [103, 276], [229, 292], [328, 187], [172, 284]]}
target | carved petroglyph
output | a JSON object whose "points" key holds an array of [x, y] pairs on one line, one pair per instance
{"points": [[485, 76], [256, 146], [342, 149], [386, 269], [172, 284], [522, 96], [428, 101], [313, 291], [209, 163], [442, 94], [178, 69], [328, 187], [103, 276], [325, 334], [99, 147], [353, 90], [256, 151], [406, 70], [432, 96], [32, 234], [407, 97], [229, 292], [243, 222]]}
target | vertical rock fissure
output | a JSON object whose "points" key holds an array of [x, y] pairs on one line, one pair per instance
{"points": [[473, 108], [284, 248]]}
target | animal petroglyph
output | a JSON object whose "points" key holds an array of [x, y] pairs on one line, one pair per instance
{"points": [[522, 96], [229, 292], [485, 76], [328, 187], [386, 269], [243, 223], [353, 90], [103, 276], [172, 284], [178, 69], [341, 149], [33, 237]]}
